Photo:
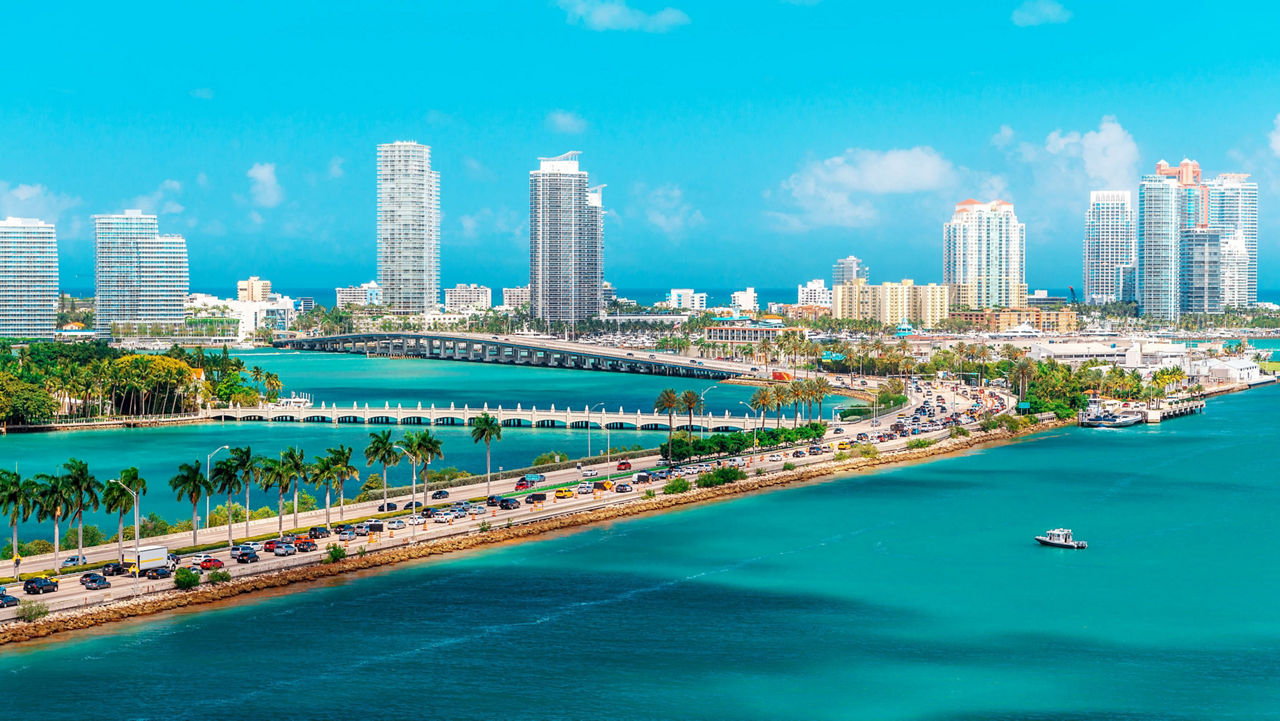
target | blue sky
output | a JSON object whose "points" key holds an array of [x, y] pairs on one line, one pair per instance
{"points": [[745, 143]]}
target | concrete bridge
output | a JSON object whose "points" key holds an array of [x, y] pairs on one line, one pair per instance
{"points": [[519, 417], [522, 351]]}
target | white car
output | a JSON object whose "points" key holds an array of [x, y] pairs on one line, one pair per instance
{"points": [[443, 517], [257, 547], [198, 559], [590, 473], [775, 458], [416, 520], [395, 524], [586, 489]]}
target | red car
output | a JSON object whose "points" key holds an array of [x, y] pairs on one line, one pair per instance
{"points": [[209, 564], [270, 546], [624, 465], [523, 485]]}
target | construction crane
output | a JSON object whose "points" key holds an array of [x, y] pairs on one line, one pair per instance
{"points": [[1074, 300]]}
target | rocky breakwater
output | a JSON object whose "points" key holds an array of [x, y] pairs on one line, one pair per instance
{"points": [[72, 620]]}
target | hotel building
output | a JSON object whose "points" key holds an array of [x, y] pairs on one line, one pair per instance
{"points": [[983, 256]]}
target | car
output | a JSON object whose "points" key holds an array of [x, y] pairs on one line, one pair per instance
{"points": [[40, 585], [565, 493], [509, 504], [74, 561], [237, 550], [590, 473], [247, 557], [585, 489], [97, 583], [211, 563], [536, 498], [155, 574], [347, 536], [492, 500], [605, 485], [270, 546], [7, 601], [622, 488], [395, 524], [91, 576], [361, 529], [460, 513], [253, 546], [445, 517], [306, 544], [384, 507], [863, 437], [416, 520], [413, 505], [815, 450], [339, 528], [775, 457], [624, 465], [113, 569], [199, 558], [440, 494], [523, 485], [797, 454], [318, 532], [285, 549]]}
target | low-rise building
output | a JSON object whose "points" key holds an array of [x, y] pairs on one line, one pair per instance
{"points": [[1227, 370], [276, 312], [687, 299], [466, 298], [892, 303], [745, 300], [1001, 320], [815, 292], [740, 333], [254, 289], [364, 294], [515, 297]]}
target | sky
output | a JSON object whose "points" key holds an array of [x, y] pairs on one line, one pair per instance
{"points": [[746, 143]]}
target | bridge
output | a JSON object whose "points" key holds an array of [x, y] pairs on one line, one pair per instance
{"points": [[519, 417], [520, 351]]}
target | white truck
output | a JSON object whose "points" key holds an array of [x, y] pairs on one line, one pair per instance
{"points": [[148, 557]]}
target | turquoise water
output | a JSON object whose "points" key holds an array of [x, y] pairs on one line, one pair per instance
{"points": [[914, 593]]}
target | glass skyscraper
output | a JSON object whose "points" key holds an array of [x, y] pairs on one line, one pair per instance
{"points": [[984, 256], [408, 228], [28, 278], [566, 241], [1159, 231], [140, 276], [1110, 245]]}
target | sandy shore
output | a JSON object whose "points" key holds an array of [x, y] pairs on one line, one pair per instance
{"points": [[72, 620]]}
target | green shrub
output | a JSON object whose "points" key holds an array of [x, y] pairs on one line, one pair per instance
{"points": [[720, 476], [918, 443], [868, 450], [788, 466], [840, 456], [361, 551], [650, 494], [334, 553], [959, 432], [1010, 422], [675, 485], [219, 576], [32, 610], [989, 424], [484, 526], [760, 471], [186, 579]]}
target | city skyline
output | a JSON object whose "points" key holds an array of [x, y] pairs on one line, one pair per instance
{"points": [[289, 168]]}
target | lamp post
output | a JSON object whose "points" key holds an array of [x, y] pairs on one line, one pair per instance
{"points": [[413, 482], [592, 408], [703, 430], [753, 423], [137, 530], [207, 461]]}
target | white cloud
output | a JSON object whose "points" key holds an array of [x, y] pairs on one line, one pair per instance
{"points": [[488, 221], [1109, 154], [202, 93], [1040, 12], [263, 186], [667, 210], [475, 169], [202, 180], [255, 217], [563, 121], [1274, 136], [617, 15], [1003, 138], [34, 201], [159, 201], [335, 167]]}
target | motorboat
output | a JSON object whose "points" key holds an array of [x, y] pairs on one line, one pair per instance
{"points": [[1060, 538], [1111, 420]]}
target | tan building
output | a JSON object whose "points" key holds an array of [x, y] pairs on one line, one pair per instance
{"points": [[1006, 319], [891, 303], [255, 289], [737, 334]]}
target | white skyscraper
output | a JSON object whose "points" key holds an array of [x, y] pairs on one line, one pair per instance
{"points": [[1159, 251], [815, 292], [140, 276], [847, 270], [745, 300], [1110, 245], [28, 278], [984, 256], [1232, 211], [566, 241], [408, 228]]}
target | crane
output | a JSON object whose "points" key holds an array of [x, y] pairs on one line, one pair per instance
{"points": [[1074, 300]]}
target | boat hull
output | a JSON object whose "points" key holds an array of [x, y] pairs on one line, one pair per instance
{"points": [[1074, 545]]}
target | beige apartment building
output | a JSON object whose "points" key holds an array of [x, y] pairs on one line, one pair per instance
{"points": [[891, 303]]}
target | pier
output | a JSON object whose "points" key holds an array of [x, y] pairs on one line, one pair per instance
{"points": [[1173, 409]]}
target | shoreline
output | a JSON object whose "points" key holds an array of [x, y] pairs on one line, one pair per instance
{"points": [[70, 620]]}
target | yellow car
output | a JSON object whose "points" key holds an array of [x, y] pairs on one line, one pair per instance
{"points": [[565, 493]]}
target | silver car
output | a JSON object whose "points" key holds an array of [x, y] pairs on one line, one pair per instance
{"points": [[285, 549]]}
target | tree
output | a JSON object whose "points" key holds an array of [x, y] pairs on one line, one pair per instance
{"points": [[190, 485], [487, 429], [225, 479], [53, 500], [422, 448], [249, 467], [295, 462], [821, 389], [382, 449], [18, 499], [341, 469], [86, 491], [668, 402], [690, 402], [275, 475], [119, 501]]}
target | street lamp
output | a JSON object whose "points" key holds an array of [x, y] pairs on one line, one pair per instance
{"points": [[753, 423], [592, 408], [207, 461], [137, 531], [413, 482], [702, 395]]}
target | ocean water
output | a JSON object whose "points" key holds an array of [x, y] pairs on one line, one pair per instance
{"points": [[910, 593]]}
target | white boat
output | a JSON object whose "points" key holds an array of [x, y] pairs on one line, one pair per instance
{"points": [[1060, 538], [295, 400]]}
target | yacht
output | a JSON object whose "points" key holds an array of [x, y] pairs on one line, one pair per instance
{"points": [[295, 400], [1060, 538]]}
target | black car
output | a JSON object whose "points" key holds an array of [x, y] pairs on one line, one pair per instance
{"points": [[247, 557], [156, 574], [440, 494], [97, 584], [318, 532], [90, 577], [492, 500], [7, 601], [509, 504], [40, 585], [343, 527], [838, 431], [114, 569], [388, 506]]}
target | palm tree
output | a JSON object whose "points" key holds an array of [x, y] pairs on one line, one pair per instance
{"points": [[271, 382], [249, 467], [275, 475], [322, 474], [18, 498], [690, 402], [821, 389], [1023, 370], [382, 449], [342, 470], [85, 491], [191, 485], [488, 429], [119, 501], [225, 479], [668, 402], [53, 498], [423, 448], [761, 401], [295, 462]]}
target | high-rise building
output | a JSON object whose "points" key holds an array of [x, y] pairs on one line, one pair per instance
{"points": [[140, 276], [984, 255], [815, 292], [847, 270], [515, 297], [566, 241], [1159, 229], [408, 228], [1200, 271], [463, 298], [892, 303], [28, 278], [1110, 245], [745, 300], [1232, 213], [254, 289]]}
